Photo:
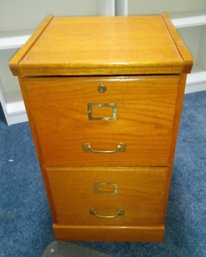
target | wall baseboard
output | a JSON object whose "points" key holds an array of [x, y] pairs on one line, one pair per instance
{"points": [[193, 88]]}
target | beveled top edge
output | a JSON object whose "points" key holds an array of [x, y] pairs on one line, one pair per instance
{"points": [[21, 66]]}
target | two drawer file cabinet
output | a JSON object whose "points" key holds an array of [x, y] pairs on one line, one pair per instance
{"points": [[104, 96]]}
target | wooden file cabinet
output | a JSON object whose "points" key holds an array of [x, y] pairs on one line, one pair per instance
{"points": [[103, 97]]}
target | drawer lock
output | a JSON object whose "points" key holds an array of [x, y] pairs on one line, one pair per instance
{"points": [[102, 88]]}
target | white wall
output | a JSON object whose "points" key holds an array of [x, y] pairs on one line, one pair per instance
{"points": [[191, 37], [202, 52], [158, 6], [9, 82], [27, 14]]}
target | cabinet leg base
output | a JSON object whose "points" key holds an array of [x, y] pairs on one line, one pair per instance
{"points": [[109, 233]]}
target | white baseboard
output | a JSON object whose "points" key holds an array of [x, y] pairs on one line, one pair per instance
{"points": [[196, 82], [193, 88], [17, 118]]}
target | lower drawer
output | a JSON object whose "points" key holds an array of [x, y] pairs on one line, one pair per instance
{"points": [[108, 196]]}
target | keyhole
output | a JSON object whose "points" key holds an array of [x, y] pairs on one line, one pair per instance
{"points": [[102, 88]]}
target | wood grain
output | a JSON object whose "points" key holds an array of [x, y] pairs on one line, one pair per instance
{"points": [[109, 233], [140, 194], [38, 148], [176, 123], [148, 116], [184, 52], [145, 110], [14, 63], [102, 46]]}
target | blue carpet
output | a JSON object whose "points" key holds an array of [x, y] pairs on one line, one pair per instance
{"points": [[25, 221]]}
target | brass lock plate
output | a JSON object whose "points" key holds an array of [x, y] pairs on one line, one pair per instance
{"points": [[105, 188], [96, 111]]}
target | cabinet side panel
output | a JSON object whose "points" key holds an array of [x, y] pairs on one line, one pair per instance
{"points": [[176, 123], [37, 146]]}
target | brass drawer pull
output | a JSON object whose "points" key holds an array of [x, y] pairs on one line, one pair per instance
{"points": [[121, 147], [107, 188], [118, 213]]}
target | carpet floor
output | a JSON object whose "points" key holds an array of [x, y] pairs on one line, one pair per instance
{"points": [[25, 221]]}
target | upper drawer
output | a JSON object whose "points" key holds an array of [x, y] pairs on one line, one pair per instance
{"points": [[73, 119]]}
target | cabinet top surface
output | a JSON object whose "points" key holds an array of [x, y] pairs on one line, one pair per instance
{"points": [[100, 46]]}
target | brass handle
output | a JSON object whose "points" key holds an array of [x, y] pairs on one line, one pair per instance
{"points": [[118, 213], [121, 147]]}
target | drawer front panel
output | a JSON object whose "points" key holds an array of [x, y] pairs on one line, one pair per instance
{"points": [[100, 196], [130, 124]]}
